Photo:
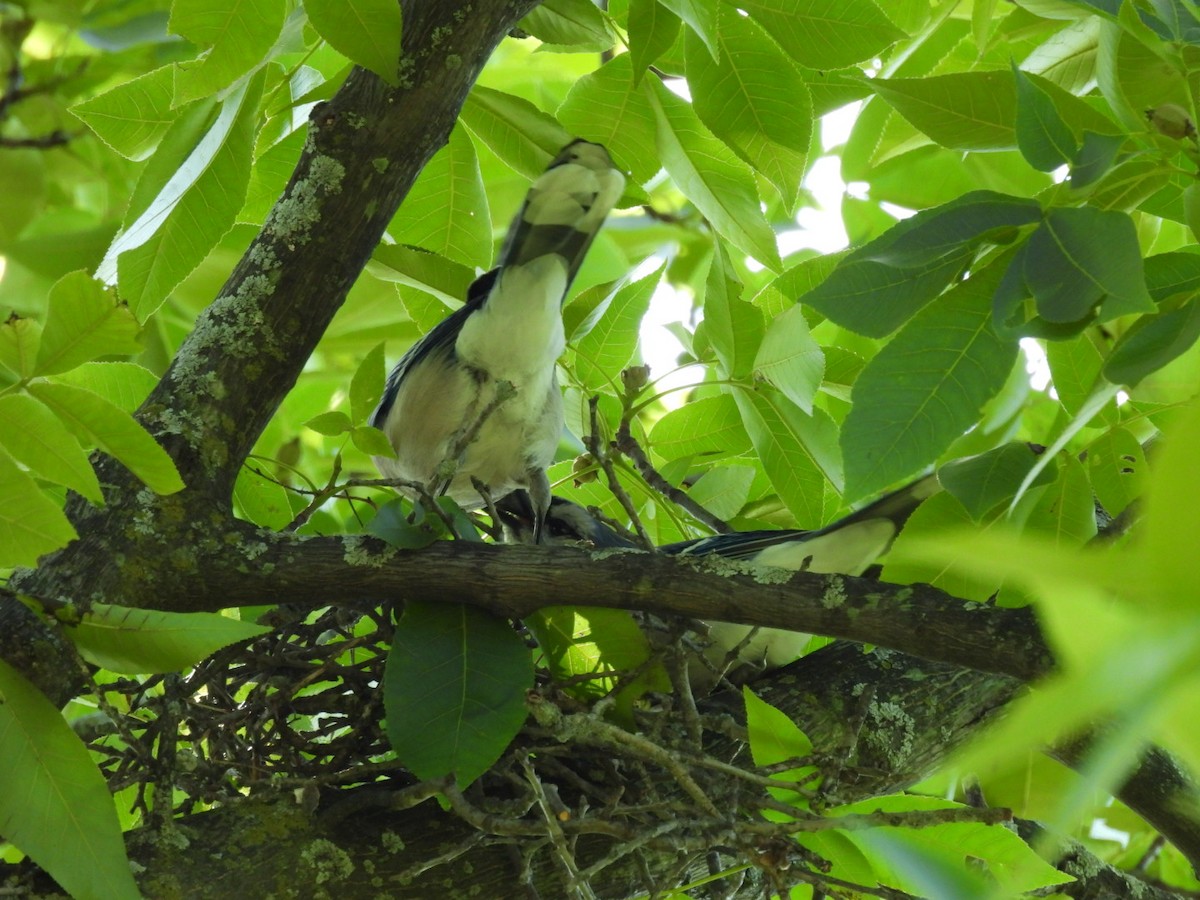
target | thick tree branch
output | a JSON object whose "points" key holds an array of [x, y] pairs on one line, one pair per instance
{"points": [[365, 149]]}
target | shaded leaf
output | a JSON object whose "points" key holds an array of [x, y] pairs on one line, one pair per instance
{"points": [[366, 387], [925, 388], [454, 690], [883, 284], [799, 453], [982, 482], [1042, 136]]}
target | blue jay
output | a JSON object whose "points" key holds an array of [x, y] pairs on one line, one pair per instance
{"points": [[848, 546], [476, 401]]}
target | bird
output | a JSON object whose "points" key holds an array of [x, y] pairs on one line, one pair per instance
{"points": [[849, 546], [475, 404]]}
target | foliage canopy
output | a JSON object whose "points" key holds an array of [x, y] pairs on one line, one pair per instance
{"points": [[1022, 185]]}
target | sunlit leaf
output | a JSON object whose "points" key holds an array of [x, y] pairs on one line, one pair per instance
{"points": [[367, 31], [143, 641], [56, 807]]}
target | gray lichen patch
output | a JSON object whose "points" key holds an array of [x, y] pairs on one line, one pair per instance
{"points": [[330, 862]]}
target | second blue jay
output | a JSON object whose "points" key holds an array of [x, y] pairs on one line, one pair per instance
{"points": [[848, 546], [476, 401]]}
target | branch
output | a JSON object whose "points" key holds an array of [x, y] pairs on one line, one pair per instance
{"points": [[365, 148]]}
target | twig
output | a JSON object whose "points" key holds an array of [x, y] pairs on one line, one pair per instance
{"points": [[576, 883], [55, 138], [588, 729], [614, 485], [628, 445]]}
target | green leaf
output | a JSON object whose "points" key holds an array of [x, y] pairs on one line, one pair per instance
{"points": [[260, 500], [576, 26], [23, 187], [427, 272], [392, 524], [366, 387], [133, 116], [925, 388], [962, 111], [982, 482], [192, 211], [755, 100], [724, 490], [577, 642], [1065, 513], [124, 384], [608, 347], [366, 31], [799, 453], [940, 860], [454, 690], [330, 424], [1094, 158], [1168, 274], [700, 16], [447, 209], [239, 34], [514, 129], [774, 737], [1172, 514], [1117, 464], [146, 641], [652, 30], [114, 431], [1079, 264], [710, 427], [30, 522], [1074, 370], [1152, 342], [38, 440], [709, 175], [84, 321], [1042, 136], [824, 34], [883, 284], [19, 341], [56, 807], [605, 107], [790, 359], [733, 327], [371, 441]]}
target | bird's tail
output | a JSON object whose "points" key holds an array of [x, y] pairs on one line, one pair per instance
{"points": [[565, 208]]}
